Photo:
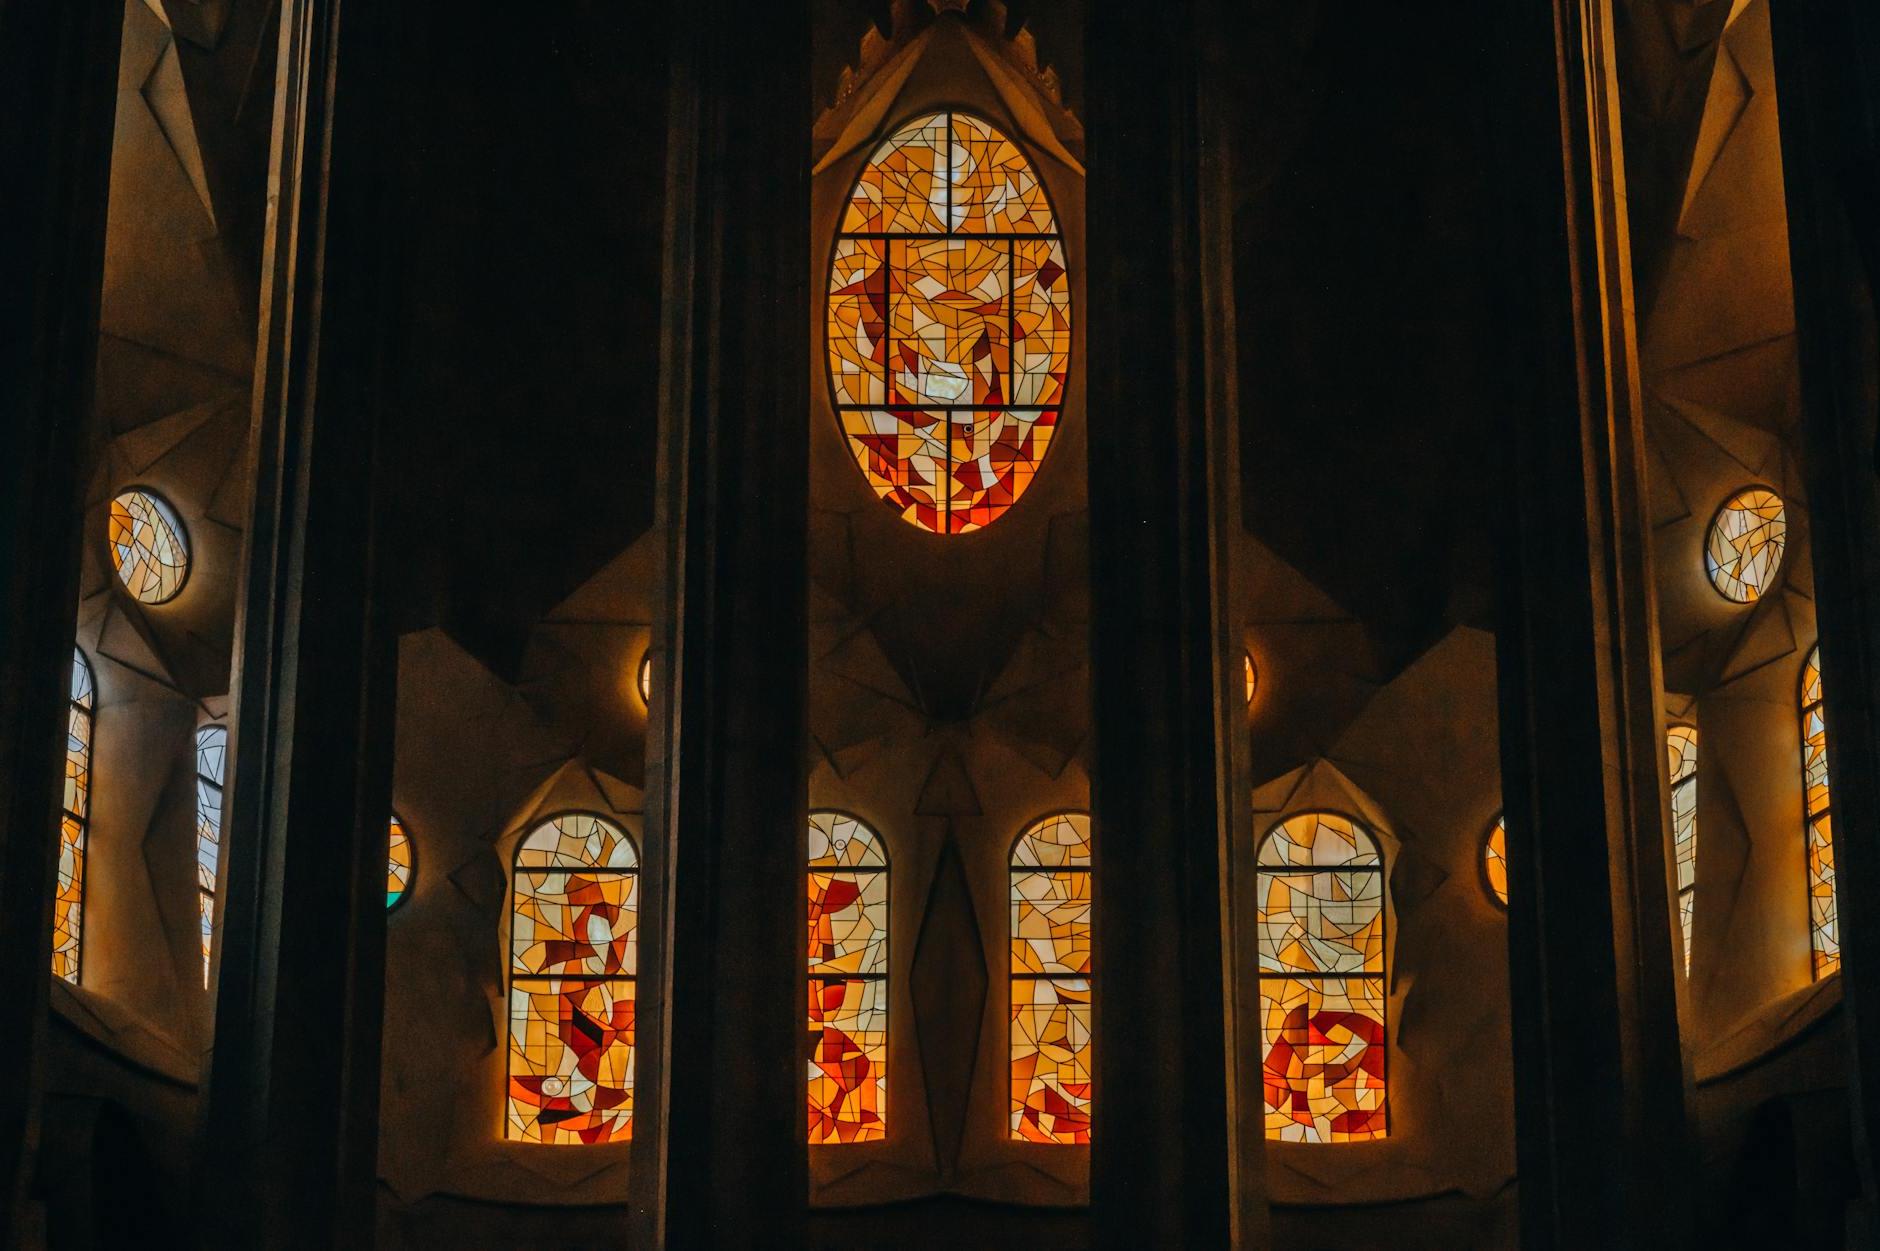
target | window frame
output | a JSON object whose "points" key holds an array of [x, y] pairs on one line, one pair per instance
{"points": [[1007, 130], [1382, 976], [170, 514], [1817, 707], [882, 978], [1673, 785], [85, 708], [1014, 1110], [206, 896], [1496, 824], [511, 976], [411, 856], [1711, 571]]}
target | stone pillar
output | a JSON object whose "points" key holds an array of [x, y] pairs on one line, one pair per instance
{"points": [[1827, 56], [720, 1156], [1171, 1124], [58, 99], [291, 1086], [1602, 1134]]}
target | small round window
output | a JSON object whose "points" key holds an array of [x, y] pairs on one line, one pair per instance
{"points": [[1495, 860], [1744, 549], [398, 863], [148, 549]]}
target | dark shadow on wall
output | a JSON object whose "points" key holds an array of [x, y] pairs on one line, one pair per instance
{"points": [[98, 1180], [1777, 1162]]}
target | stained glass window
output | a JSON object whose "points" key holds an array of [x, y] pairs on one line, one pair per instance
{"points": [[573, 953], [1320, 879], [148, 548], [848, 980], [948, 326], [1824, 925], [398, 862], [1744, 549], [68, 905], [1051, 976], [1252, 675], [211, 772], [1681, 752], [646, 679], [1495, 860]]}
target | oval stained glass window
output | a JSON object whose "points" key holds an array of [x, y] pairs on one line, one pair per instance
{"points": [[148, 549], [1744, 547], [948, 322]]}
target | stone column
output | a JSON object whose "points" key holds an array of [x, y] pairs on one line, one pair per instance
{"points": [[1827, 56], [291, 1086], [1170, 1121], [58, 99], [1601, 1130], [720, 1154]]}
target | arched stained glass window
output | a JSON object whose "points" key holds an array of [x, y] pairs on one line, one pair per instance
{"points": [[1681, 753], [398, 863], [1051, 976], [573, 953], [1320, 879], [68, 905], [1824, 925], [148, 547], [948, 324], [1495, 860], [848, 980], [1744, 548], [211, 774]]}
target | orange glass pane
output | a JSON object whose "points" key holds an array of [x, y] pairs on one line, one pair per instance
{"points": [[1051, 1060], [570, 1060], [848, 1066]]}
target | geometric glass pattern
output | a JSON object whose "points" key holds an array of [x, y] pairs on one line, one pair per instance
{"points": [[1051, 973], [1744, 548], [1824, 925], [398, 863], [1320, 886], [211, 773], [68, 905], [848, 981], [1495, 860], [948, 324], [1681, 754], [573, 953], [147, 546]]}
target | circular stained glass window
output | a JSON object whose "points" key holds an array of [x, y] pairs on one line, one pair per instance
{"points": [[1253, 675], [1495, 860], [1744, 549], [398, 863], [148, 548], [646, 679]]}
